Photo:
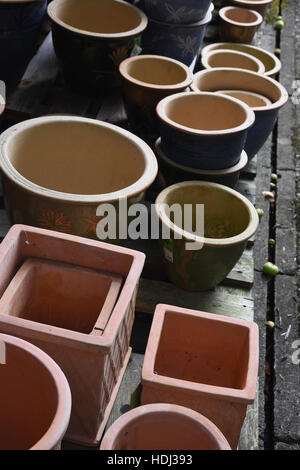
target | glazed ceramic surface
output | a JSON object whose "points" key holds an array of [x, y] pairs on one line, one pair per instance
{"points": [[265, 116], [176, 11], [229, 221], [258, 5], [206, 362], [35, 398], [205, 131], [233, 59], [87, 153], [91, 39], [163, 427], [178, 41], [239, 24]]}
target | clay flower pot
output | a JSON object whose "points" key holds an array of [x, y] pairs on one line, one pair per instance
{"points": [[239, 24], [271, 62], [178, 41], [91, 38], [87, 153], [206, 362], [232, 59], [254, 100], [175, 173], [204, 130], [258, 5], [163, 427], [229, 221], [146, 80], [20, 26], [91, 346], [177, 11], [35, 398], [243, 80]]}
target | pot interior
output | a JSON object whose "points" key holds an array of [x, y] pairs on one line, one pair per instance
{"points": [[203, 351], [76, 157], [28, 400], [205, 112], [229, 59], [94, 16], [164, 430], [254, 100], [241, 15], [156, 71]]}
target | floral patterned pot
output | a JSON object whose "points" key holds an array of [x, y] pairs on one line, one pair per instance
{"points": [[146, 80], [233, 59], [244, 80], [176, 11], [91, 39], [258, 5], [206, 362], [239, 24], [271, 62], [175, 173], [178, 41], [35, 398], [205, 130], [229, 221], [87, 153], [20, 26], [163, 427]]}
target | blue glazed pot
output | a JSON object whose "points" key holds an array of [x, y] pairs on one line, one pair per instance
{"points": [[178, 41], [204, 130], [237, 79], [20, 25], [176, 11]]}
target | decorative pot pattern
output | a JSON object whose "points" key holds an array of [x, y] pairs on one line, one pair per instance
{"points": [[37, 418], [233, 59], [176, 11], [163, 427], [206, 362], [239, 24]]}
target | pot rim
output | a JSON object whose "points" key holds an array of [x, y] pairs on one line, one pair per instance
{"points": [[213, 242], [257, 22], [125, 34], [273, 71], [160, 408], [226, 171], [179, 85], [248, 121], [139, 186], [252, 2], [60, 422], [250, 93], [2, 104], [251, 75], [202, 22], [209, 54]]}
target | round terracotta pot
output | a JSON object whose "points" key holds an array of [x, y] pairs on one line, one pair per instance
{"points": [[254, 100], [146, 79], [229, 221], [179, 41], [271, 62], [244, 80], [204, 130], [177, 11], [59, 169], [234, 59], [258, 5], [91, 38], [162, 426], [35, 398], [175, 173], [239, 24]]}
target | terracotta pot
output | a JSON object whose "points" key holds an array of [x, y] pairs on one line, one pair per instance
{"points": [[258, 5], [254, 100], [232, 59], [20, 27], [87, 153], [175, 173], [92, 352], [178, 11], [239, 24], [146, 80], [204, 130], [271, 62], [163, 427], [35, 398], [202, 361], [178, 41], [91, 39], [243, 80], [229, 221]]}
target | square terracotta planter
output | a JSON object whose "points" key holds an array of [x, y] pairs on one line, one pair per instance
{"points": [[203, 361], [89, 290]]}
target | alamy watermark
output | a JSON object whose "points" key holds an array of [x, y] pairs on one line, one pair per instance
{"points": [[2, 353], [296, 354], [2, 96], [296, 92]]}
